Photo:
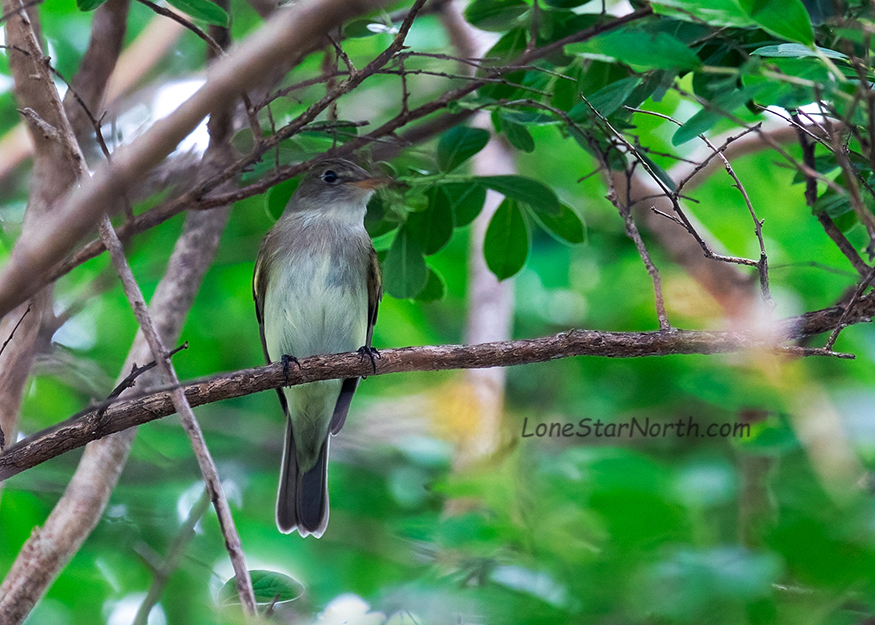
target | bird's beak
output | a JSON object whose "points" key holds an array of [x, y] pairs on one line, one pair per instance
{"points": [[371, 183]]}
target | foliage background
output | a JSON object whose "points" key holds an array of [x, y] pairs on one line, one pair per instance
{"points": [[770, 529]]}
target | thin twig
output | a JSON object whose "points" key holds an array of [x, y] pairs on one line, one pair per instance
{"points": [[832, 231], [11, 334], [857, 294], [185, 23], [189, 421], [197, 197], [763, 264], [130, 379]]}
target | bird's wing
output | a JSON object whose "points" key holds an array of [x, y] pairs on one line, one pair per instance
{"points": [[375, 294], [259, 288]]}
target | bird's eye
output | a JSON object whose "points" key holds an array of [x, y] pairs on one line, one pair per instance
{"points": [[330, 176]]}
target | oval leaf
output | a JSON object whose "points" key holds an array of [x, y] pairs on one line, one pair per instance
{"points": [[203, 10], [88, 5], [496, 15], [379, 220], [434, 288], [519, 137], [786, 19], [567, 227], [466, 201], [432, 227], [404, 271], [270, 587], [713, 12], [278, 197], [702, 121], [638, 47], [458, 145], [506, 245], [524, 190], [797, 51]]}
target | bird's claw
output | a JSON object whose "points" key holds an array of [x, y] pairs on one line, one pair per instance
{"points": [[286, 359], [367, 351]]}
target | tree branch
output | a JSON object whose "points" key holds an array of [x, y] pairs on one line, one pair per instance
{"points": [[130, 412], [286, 35]]}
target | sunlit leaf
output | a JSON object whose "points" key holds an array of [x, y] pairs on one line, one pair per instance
{"points": [[270, 587], [641, 48], [88, 5], [203, 10], [787, 19], [714, 12], [797, 51]]}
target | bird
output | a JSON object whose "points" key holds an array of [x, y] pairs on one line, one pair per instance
{"points": [[317, 288]]}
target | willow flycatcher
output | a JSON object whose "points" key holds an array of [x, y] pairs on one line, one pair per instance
{"points": [[317, 287]]}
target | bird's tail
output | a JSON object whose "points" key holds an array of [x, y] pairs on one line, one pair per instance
{"points": [[302, 502]]}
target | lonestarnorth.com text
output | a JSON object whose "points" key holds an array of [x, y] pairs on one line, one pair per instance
{"points": [[646, 428]]}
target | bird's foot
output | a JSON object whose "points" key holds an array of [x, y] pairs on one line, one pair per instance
{"points": [[367, 351], [286, 359]]}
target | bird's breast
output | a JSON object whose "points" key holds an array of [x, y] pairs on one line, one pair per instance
{"points": [[316, 298]]}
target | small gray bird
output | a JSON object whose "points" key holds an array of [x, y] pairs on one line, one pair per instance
{"points": [[317, 286]]}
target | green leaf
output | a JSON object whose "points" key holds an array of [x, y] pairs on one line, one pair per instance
{"points": [[638, 47], [458, 145], [528, 117], [379, 221], [88, 5], [833, 204], [433, 227], [506, 245], [705, 119], [519, 137], [714, 12], [524, 190], [466, 201], [567, 226], [659, 171], [203, 10], [797, 51], [786, 19], [495, 15], [404, 271], [434, 289], [270, 587], [566, 4], [278, 197], [608, 99], [510, 46]]}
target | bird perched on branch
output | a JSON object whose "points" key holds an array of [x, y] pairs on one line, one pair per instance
{"points": [[317, 286]]}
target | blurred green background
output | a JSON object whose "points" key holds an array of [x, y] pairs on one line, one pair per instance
{"points": [[777, 527]]}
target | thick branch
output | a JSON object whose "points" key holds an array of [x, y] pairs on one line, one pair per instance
{"points": [[96, 424]]}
